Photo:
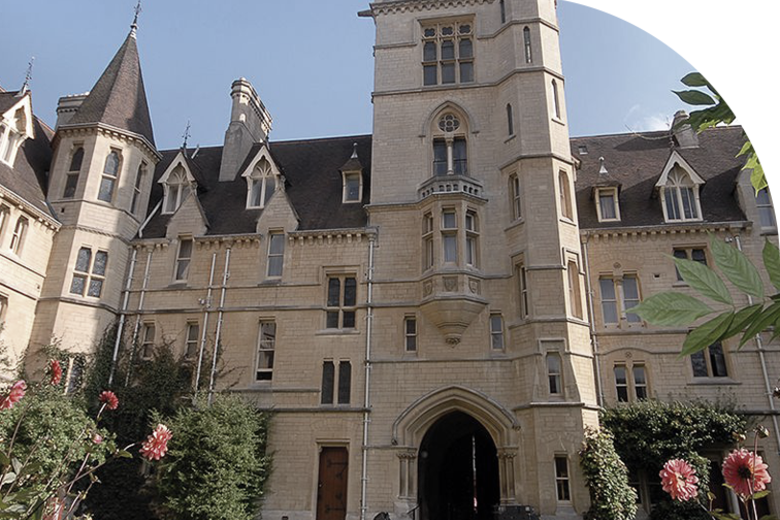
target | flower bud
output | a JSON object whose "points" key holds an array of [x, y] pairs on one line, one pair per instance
{"points": [[739, 437], [762, 431]]}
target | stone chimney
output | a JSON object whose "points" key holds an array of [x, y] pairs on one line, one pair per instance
{"points": [[67, 107], [250, 123], [685, 135]]}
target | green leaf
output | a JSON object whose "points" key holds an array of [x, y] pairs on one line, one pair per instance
{"points": [[746, 149], [124, 454], [767, 317], [694, 97], [759, 495], [8, 478], [742, 319], [4, 460], [737, 268], [694, 79], [771, 256], [704, 280], [757, 177], [720, 515], [706, 334], [670, 309], [768, 517]]}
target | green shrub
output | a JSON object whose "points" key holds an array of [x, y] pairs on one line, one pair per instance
{"points": [[606, 476]]}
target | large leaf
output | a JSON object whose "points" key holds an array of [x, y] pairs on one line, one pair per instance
{"points": [[743, 319], [771, 256], [671, 309], [768, 316], [704, 280], [695, 79], [737, 268], [707, 333], [694, 97]]}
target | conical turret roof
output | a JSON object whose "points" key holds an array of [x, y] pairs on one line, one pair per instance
{"points": [[118, 98]]}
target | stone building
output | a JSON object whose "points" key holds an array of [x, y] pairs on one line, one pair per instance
{"points": [[436, 311]]}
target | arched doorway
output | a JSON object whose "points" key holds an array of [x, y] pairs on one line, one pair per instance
{"points": [[457, 470]]}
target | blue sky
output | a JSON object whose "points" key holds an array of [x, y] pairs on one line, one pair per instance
{"points": [[310, 60]]}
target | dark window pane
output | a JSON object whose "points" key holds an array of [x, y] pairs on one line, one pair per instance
{"points": [[352, 188], [349, 319], [83, 260], [439, 157], [430, 32], [429, 75], [466, 72], [447, 31], [95, 288], [270, 187], [466, 49], [71, 181], [106, 189], [429, 51], [328, 370], [698, 255], [699, 364], [75, 162], [459, 156], [277, 244], [448, 50], [112, 164], [447, 73], [99, 267], [350, 292], [717, 360], [77, 285], [334, 291], [345, 381], [332, 321], [411, 326], [411, 343]]}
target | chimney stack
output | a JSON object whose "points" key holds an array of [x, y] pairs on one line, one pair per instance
{"points": [[67, 107], [685, 135], [250, 123]]}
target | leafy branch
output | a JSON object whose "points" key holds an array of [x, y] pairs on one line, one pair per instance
{"points": [[677, 309]]}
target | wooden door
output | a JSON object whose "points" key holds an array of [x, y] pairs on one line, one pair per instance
{"points": [[332, 484]]}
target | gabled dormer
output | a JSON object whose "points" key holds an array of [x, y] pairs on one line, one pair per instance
{"points": [[679, 186], [15, 124], [263, 179], [352, 179], [178, 182]]}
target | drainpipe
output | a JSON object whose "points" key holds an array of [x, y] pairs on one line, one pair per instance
{"points": [[225, 276], [203, 335], [762, 359], [367, 400], [137, 326], [122, 313], [594, 340]]}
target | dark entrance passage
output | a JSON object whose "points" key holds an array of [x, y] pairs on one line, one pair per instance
{"points": [[457, 470]]}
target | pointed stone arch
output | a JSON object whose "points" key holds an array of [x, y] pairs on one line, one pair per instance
{"points": [[441, 108], [412, 424]]}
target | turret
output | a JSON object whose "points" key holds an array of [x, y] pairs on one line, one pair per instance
{"points": [[250, 123]]}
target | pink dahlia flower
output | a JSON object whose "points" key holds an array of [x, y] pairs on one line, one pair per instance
{"points": [[156, 445], [745, 472], [14, 395], [55, 372], [110, 398], [679, 480]]}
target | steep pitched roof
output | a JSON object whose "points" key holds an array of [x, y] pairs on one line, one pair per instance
{"points": [[28, 178], [118, 98], [313, 184], [636, 161]]}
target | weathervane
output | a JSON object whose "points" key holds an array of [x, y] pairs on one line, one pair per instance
{"points": [[28, 76], [186, 135], [137, 10]]}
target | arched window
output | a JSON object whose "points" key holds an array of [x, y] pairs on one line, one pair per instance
{"points": [[176, 187], [139, 177], [516, 194], [565, 194], [262, 184], [109, 178], [11, 136], [681, 196], [510, 123], [502, 7], [17, 238], [527, 45], [450, 153], [556, 100], [72, 178]]}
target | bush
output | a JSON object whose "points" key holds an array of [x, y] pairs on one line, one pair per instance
{"points": [[217, 464], [611, 497]]}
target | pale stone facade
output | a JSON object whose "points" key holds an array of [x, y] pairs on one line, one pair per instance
{"points": [[435, 312]]}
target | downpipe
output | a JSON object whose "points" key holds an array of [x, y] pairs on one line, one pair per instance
{"points": [[141, 298], [367, 389], [594, 340], [220, 319], [203, 335], [122, 316]]}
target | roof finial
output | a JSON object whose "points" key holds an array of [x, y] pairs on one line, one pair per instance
{"points": [[186, 135], [134, 25], [354, 151], [603, 168], [27, 77]]}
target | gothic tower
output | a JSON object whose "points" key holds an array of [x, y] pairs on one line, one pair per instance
{"points": [[99, 185], [479, 258]]}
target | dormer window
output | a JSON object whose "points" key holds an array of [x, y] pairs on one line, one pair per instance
{"points": [[607, 205], [351, 187], [13, 132], [680, 197], [262, 184], [176, 189]]}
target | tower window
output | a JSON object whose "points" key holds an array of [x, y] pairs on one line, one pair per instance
{"points": [[510, 123], [564, 192], [5, 214], [502, 7], [139, 176], [554, 373], [427, 237], [496, 332], [449, 235], [109, 179], [72, 178], [575, 292], [448, 53], [89, 273], [522, 289], [472, 239], [562, 478], [527, 45], [410, 334], [556, 100], [514, 190]]}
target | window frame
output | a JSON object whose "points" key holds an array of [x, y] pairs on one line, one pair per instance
{"points": [[457, 62], [18, 235], [631, 384], [516, 197], [271, 255], [672, 191], [147, 341], [613, 192], [110, 178], [687, 253], [73, 173], [471, 229], [265, 350], [262, 176], [449, 235], [527, 46], [556, 102], [3, 311], [189, 341], [137, 187], [497, 332], [562, 478], [410, 336], [5, 216], [336, 382], [346, 176], [564, 196], [428, 252], [510, 120], [574, 282], [554, 379], [620, 300], [176, 188], [180, 260], [523, 292], [710, 366], [89, 276], [765, 208], [341, 309]]}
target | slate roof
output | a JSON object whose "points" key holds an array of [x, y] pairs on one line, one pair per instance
{"points": [[28, 177], [636, 161], [118, 98], [313, 185]]}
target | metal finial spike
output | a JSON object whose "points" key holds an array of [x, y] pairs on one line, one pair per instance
{"points": [[186, 135], [27, 76], [354, 151], [137, 10]]}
